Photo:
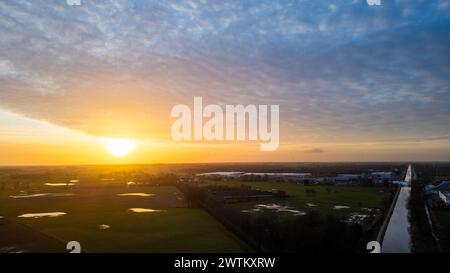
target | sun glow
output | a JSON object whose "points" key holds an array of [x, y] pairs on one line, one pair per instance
{"points": [[119, 147]]}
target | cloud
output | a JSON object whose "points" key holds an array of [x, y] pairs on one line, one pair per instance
{"points": [[7, 69], [354, 73], [315, 151]]}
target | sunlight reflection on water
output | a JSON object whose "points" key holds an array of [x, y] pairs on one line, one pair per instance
{"points": [[44, 214], [143, 210], [141, 194], [40, 195], [341, 207], [59, 184], [103, 226]]}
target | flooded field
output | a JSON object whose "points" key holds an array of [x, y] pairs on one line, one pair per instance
{"points": [[355, 204], [109, 218], [122, 211]]}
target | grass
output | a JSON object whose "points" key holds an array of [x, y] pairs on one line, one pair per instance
{"points": [[175, 228], [17, 237]]}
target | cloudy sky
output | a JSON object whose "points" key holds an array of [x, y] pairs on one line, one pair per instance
{"points": [[353, 81]]}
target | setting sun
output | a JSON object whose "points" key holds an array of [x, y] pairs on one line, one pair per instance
{"points": [[119, 147]]}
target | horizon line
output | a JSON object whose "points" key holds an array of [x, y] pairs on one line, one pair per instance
{"points": [[226, 162]]}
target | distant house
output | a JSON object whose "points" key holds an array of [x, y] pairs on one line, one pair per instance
{"points": [[400, 183], [444, 198], [438, 194], [220, 175], [321, 180], [439, 199], [438, 186], [381, 177], [347, 178], [296, 177], [291, 177]]}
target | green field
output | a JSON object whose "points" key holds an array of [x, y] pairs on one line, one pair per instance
{"points": [[325, 198], [172, 228]]}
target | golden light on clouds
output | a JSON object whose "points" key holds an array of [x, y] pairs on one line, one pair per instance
{"points": [[27, 141]]}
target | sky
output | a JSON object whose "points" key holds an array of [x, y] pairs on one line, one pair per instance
{"points": [[354, 82]]}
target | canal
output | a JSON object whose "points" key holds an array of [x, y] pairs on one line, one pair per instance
{"points": [[397, 238]]}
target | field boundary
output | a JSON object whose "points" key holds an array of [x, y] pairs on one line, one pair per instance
{"points": [[230, 227], [211, 209]]}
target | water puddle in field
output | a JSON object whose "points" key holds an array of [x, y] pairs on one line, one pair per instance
{"points": [[141, 194], [341, 207], [10, 249], [59, 184], [293, 211], [269, 206], [40, 215], [357, 218], [311, 205], [74, 181], [140, 210], [40, 195], [103, 226], [131, 183], [178, 196], [251, 210], [28, 195], [107, 179], [279, 208]]}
